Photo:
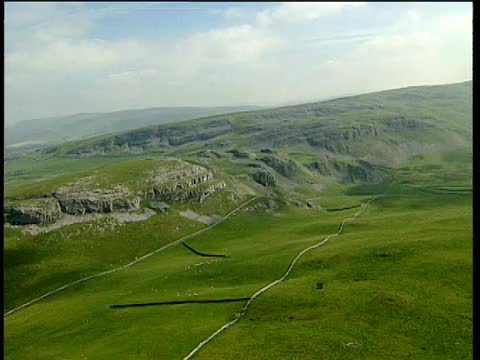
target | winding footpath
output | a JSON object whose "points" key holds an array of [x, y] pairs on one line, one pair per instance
{"points": [[269, 286], [136, 261]]}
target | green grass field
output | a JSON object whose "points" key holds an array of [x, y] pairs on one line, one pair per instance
{"points": [[396, 284], [260, 245], [28, 168]]}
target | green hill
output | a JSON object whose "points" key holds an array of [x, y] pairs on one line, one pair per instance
{"points": [[106, 216], [381, 127], [29, 135], [348, 139]]}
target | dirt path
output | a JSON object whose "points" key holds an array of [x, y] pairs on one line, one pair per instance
{"points": [[272, 284], [136, 261]]}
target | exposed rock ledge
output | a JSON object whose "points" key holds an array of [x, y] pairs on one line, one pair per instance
{"points": [[84, 196], [96, 201], [207, 220], [33, 211]]}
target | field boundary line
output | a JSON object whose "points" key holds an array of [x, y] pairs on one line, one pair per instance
{"points": [[272, 284], [130, 264]]}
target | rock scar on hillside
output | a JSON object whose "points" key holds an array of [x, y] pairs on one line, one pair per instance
{"points": [[207, 220], [74, 219]]}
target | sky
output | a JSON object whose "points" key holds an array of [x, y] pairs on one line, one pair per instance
{"points": [[74, 57]]}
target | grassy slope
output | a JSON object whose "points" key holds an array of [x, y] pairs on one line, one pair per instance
{"points": [[260, 245], [28, 169], [417, 297], [414, 303], [37, 264]]}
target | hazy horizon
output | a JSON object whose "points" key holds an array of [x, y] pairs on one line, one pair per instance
{"points": [[69, 58], [286, 103]]}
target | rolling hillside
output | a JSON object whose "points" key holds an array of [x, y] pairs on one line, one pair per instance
{"points": [[381, 127], [350, 139], [31, 134], [377, 188]]}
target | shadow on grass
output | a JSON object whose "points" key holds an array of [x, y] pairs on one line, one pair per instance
{"points": [[18, 257], [180, 302], [202, 254]]}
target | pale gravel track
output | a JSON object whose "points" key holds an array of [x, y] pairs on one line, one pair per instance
{"points": [[136, 261], [269, 286]]}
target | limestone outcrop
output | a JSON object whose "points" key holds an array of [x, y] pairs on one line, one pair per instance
{"points": [[181, 182], [284, 167], [32, 211], [197, 193], [95, 201], [263, 177]]}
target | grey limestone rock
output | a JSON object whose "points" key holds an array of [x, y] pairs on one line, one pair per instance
{"points": [[264, 177], [182, 182], [32, 211]]}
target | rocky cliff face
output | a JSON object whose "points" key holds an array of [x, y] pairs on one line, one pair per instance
{"points": [[284, 167], [145, 139], [352, 172], [32, 211], [402, 122], [197, 193], [95, 201], [338, 140], [189, 182], [264, 178], [361, 131]]}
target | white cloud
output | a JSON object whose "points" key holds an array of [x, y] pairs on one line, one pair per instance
{"points": [[231, 45], [436, 50], [54, 65], [235, 13], [296, 12], [30, 13]]}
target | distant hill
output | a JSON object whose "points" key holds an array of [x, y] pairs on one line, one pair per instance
{"points": [[36, 133], [381, 127]]}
